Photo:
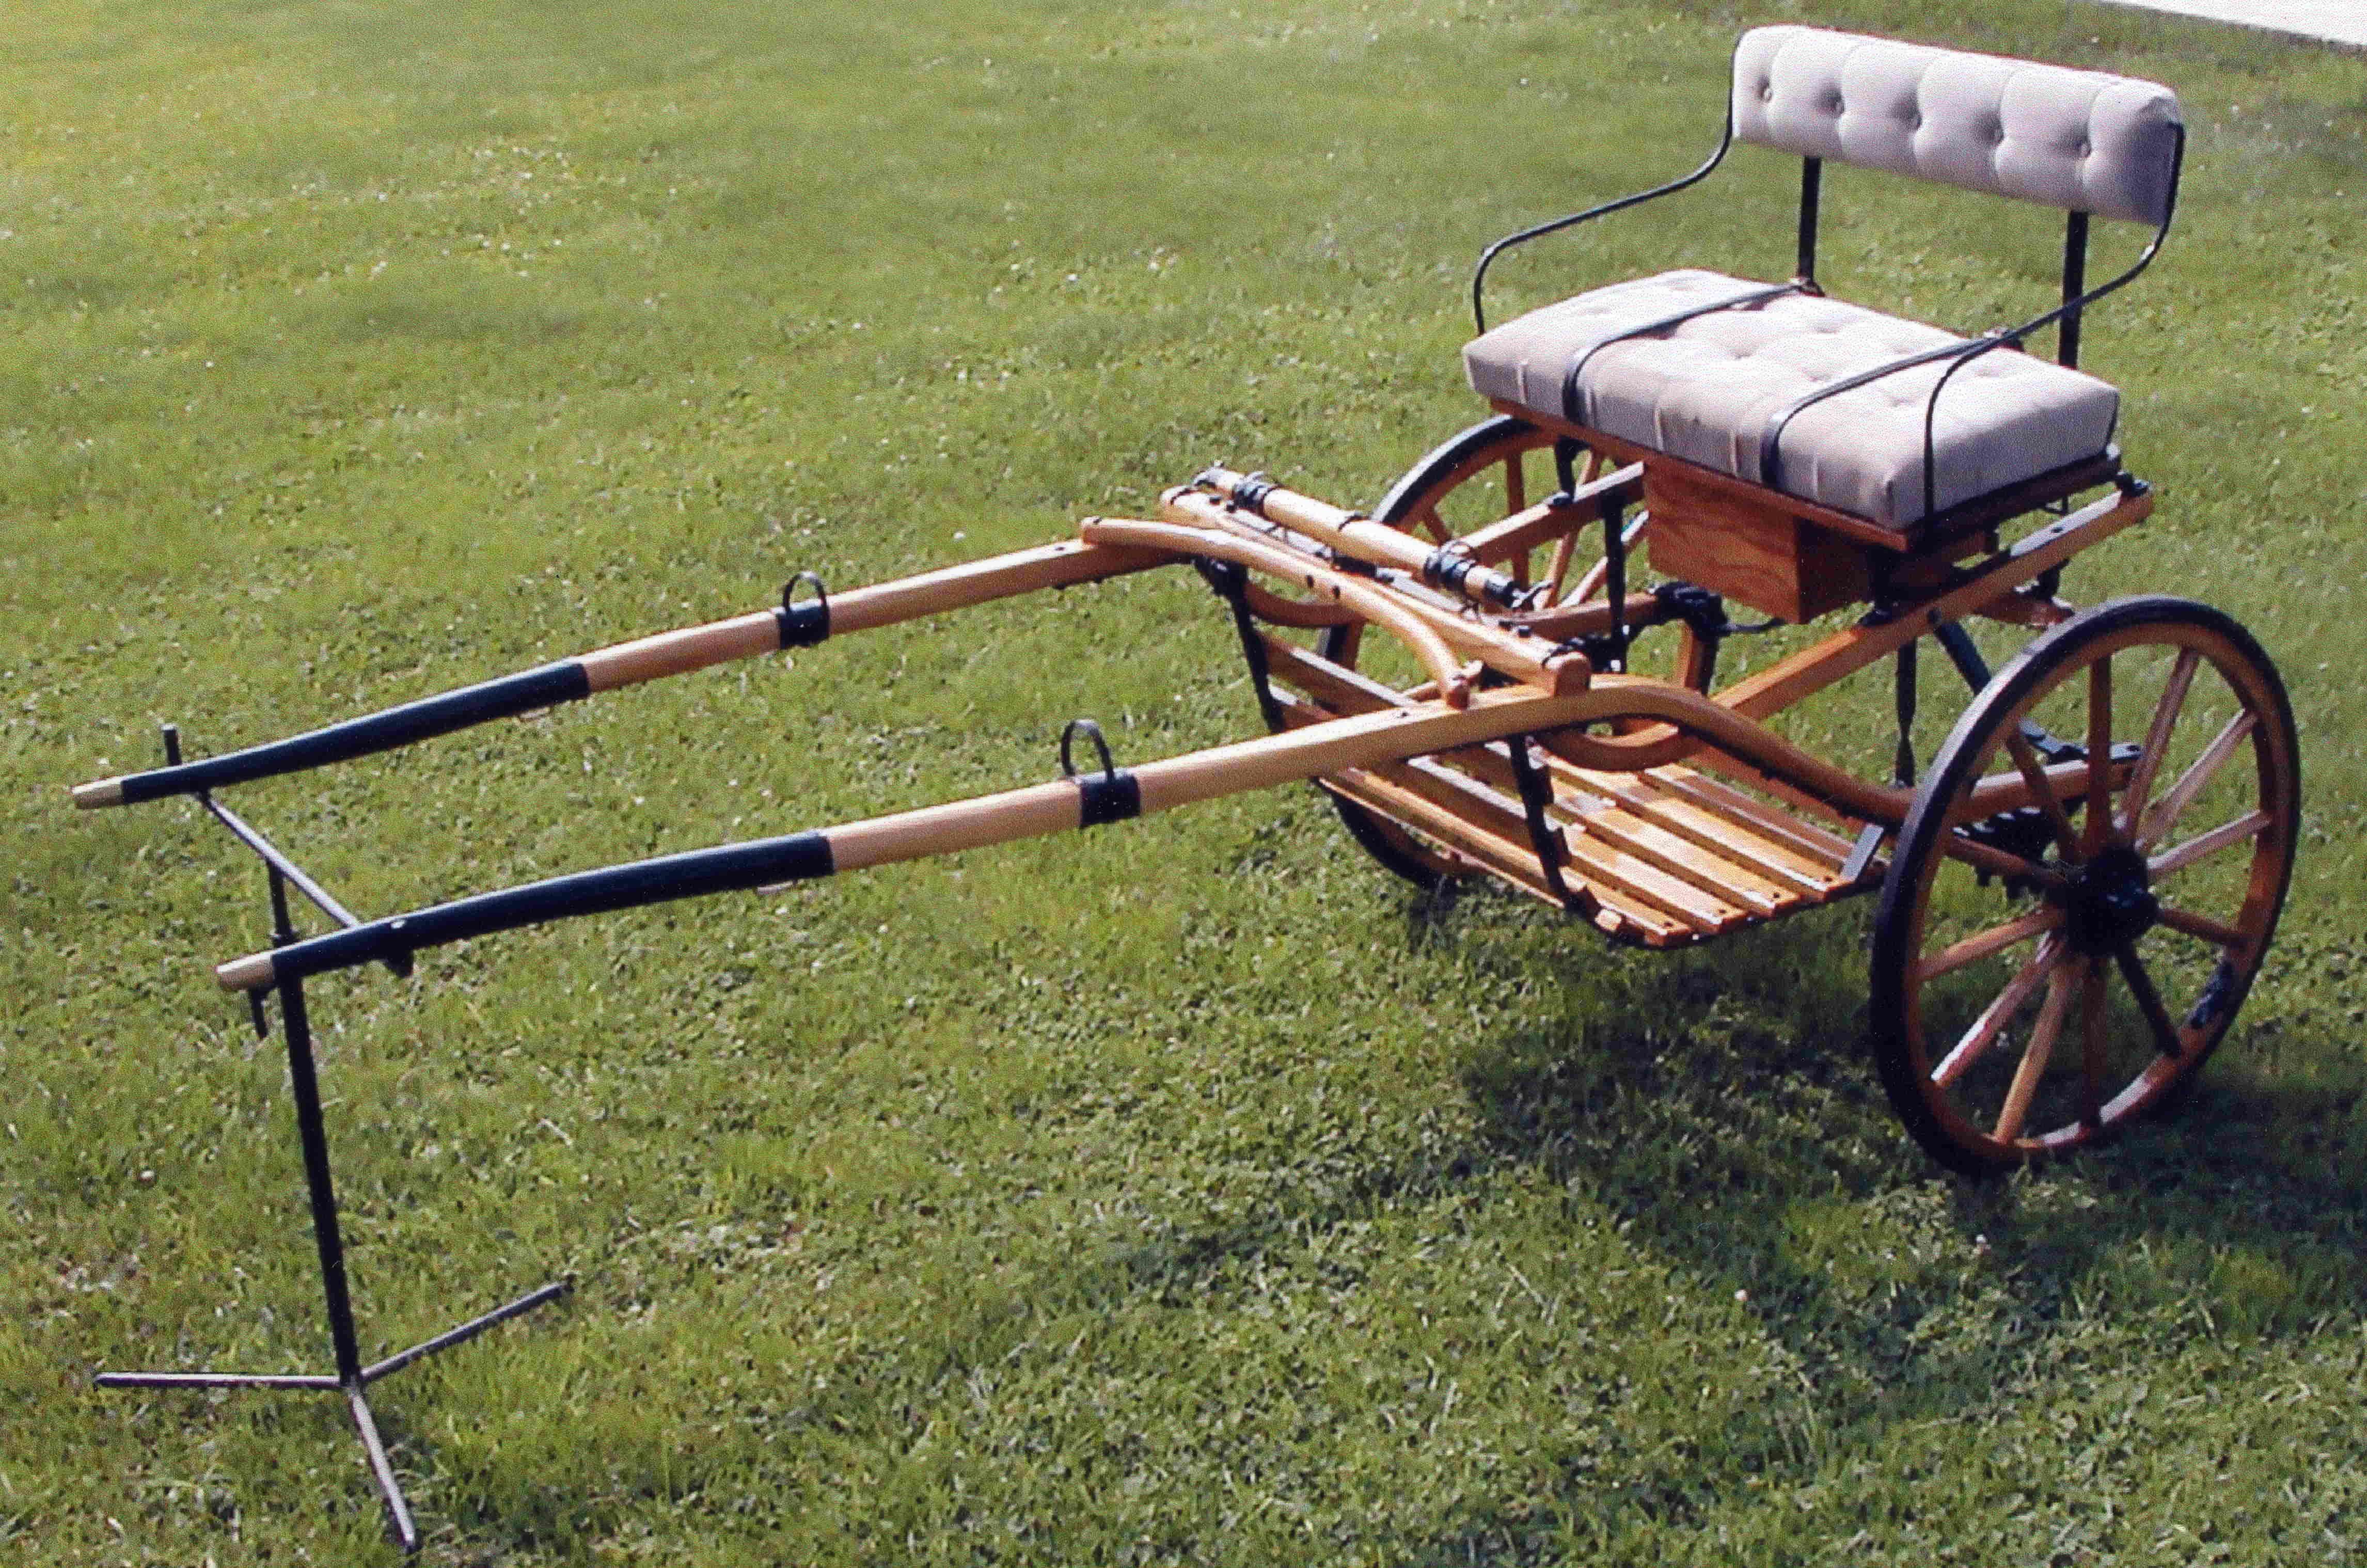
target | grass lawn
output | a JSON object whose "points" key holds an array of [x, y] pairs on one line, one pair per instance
{"points": [[1182, 1192]]}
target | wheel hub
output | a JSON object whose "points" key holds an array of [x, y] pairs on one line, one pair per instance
{"points": [[2109, 902]]}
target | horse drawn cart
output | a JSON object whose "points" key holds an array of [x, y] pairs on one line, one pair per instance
{"points": [[2074, 893]]}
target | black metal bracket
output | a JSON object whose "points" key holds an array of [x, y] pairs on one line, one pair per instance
{"points": [[353, 1376], [803, 622], [1230, 581], [1536, 796], [1111, 796]]}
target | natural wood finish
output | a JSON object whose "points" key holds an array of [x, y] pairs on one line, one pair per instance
{"points": [[2032, 1065], [1057, 565], [1650, 799], [1806, 837], [1864, 530], [2217, 932], [1721, 878], [1979, 945], [1357, 742], [1633, 535], [1751, 548], [2097, 822], [1369, 601], [1351, 532], [1689, 719], [1511, 539], [1364, 741], [2033, 775], [1711, 851], [1529, 527], [2157, 741], [1029, 813], [1984, 1029], [2021, 608], [1641, 882], [1302, 614], [677, 652], [2248, 825], [2012, 791], [1591, 619], [1516, 656], [1513, 862], [2171, 807], [685, 649], [1697, 661]]}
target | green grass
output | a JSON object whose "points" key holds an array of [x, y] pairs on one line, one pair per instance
{"points": [[1184, 1191]]}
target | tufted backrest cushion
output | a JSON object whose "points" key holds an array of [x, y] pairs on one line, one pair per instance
{"points": [[2078, 140]]}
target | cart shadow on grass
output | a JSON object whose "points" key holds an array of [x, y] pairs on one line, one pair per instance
{"points": [[2227, 1220]]}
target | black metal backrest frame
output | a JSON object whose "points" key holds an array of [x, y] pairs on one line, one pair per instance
{"points": [[2066, 316]]}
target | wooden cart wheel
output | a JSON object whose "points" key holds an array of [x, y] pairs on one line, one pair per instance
{"points": [[2078, 975], [1477, 477]]}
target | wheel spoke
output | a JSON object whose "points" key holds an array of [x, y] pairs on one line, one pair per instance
{"points": [[2157, 740], [2204, 927], [1517, 489], [2100, 755], [2042, 791], [1985, 1028], [2094, 1036], [2034, 1059], [1998, 862], [1995, 940], [2166, 812], [2248, 825], [1434, 524], [2141, 986]]}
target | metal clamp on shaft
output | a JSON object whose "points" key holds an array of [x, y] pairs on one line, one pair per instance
{"points": [[803, 622], [1450, 568], [1112, 796]]}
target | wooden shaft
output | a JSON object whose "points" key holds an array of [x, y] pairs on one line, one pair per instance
{"points": [[1499, 642], [629, 663], [1356, 535], [1033, 812], [1351, 532], [681, 651], [1375, 603], [1307, 614], [977, 583], [1029, 812]]}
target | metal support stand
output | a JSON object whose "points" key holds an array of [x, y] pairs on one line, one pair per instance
{"points": [[352, 1378]]}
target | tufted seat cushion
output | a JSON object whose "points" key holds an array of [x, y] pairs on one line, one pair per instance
{"points": [[1709, 389]]}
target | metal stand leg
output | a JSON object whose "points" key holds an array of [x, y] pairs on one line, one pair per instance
{"points": [[352, 1378]]}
